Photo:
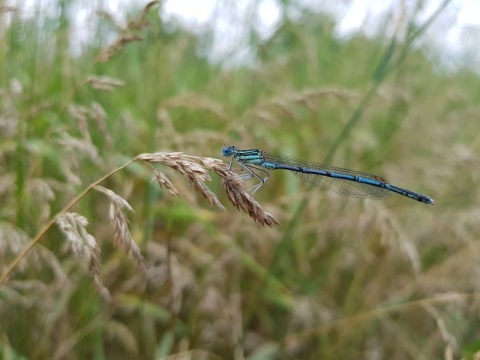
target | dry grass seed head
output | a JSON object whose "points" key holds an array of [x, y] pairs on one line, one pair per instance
{"points": [[104, 83], [80, 114], [119, 222], [196, 102], [76, 146], [125, 37], [140, 21], [107, 53], [164, 181], [233, 186], [12, 241], [198, 174], [447, 336], [41, 194], [165, 267], [185, 165], [94, 112], [84, 245], [284, 105]]}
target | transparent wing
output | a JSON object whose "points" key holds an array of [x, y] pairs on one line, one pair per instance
{"points": [[331, 184]]}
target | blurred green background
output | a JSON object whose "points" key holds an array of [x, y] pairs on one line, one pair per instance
{"points": [[339, 278]]}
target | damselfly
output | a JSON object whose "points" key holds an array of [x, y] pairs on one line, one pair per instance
{"points": [[337, 180]]}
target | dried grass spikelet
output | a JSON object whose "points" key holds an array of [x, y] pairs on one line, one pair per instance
{"points": [[119, 221], [81, 114], [448, 336], [117, 45], [196, 101], [74, 227], [164, 181], [12, 241], [284, 105], [104, 83], [126, 36], [75, 148], [233, 186], [78, 146], [84, 245], [187, 166], [196, 169]]}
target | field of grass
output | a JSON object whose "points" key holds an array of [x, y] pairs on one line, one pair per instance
{"points": [[99, 261]]}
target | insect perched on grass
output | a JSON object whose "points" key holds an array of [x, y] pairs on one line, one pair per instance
{"points": [[337, 180]]}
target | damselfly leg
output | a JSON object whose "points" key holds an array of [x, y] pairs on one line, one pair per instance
{"points": [[251, 174]]}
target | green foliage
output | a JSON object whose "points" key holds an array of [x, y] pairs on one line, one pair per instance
{"points": [[338, 279]]}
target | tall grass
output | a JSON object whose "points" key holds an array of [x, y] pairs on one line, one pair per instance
{"points": [[328, 278]]}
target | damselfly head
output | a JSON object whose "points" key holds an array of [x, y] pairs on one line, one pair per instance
{"points": [[229, 151]]}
